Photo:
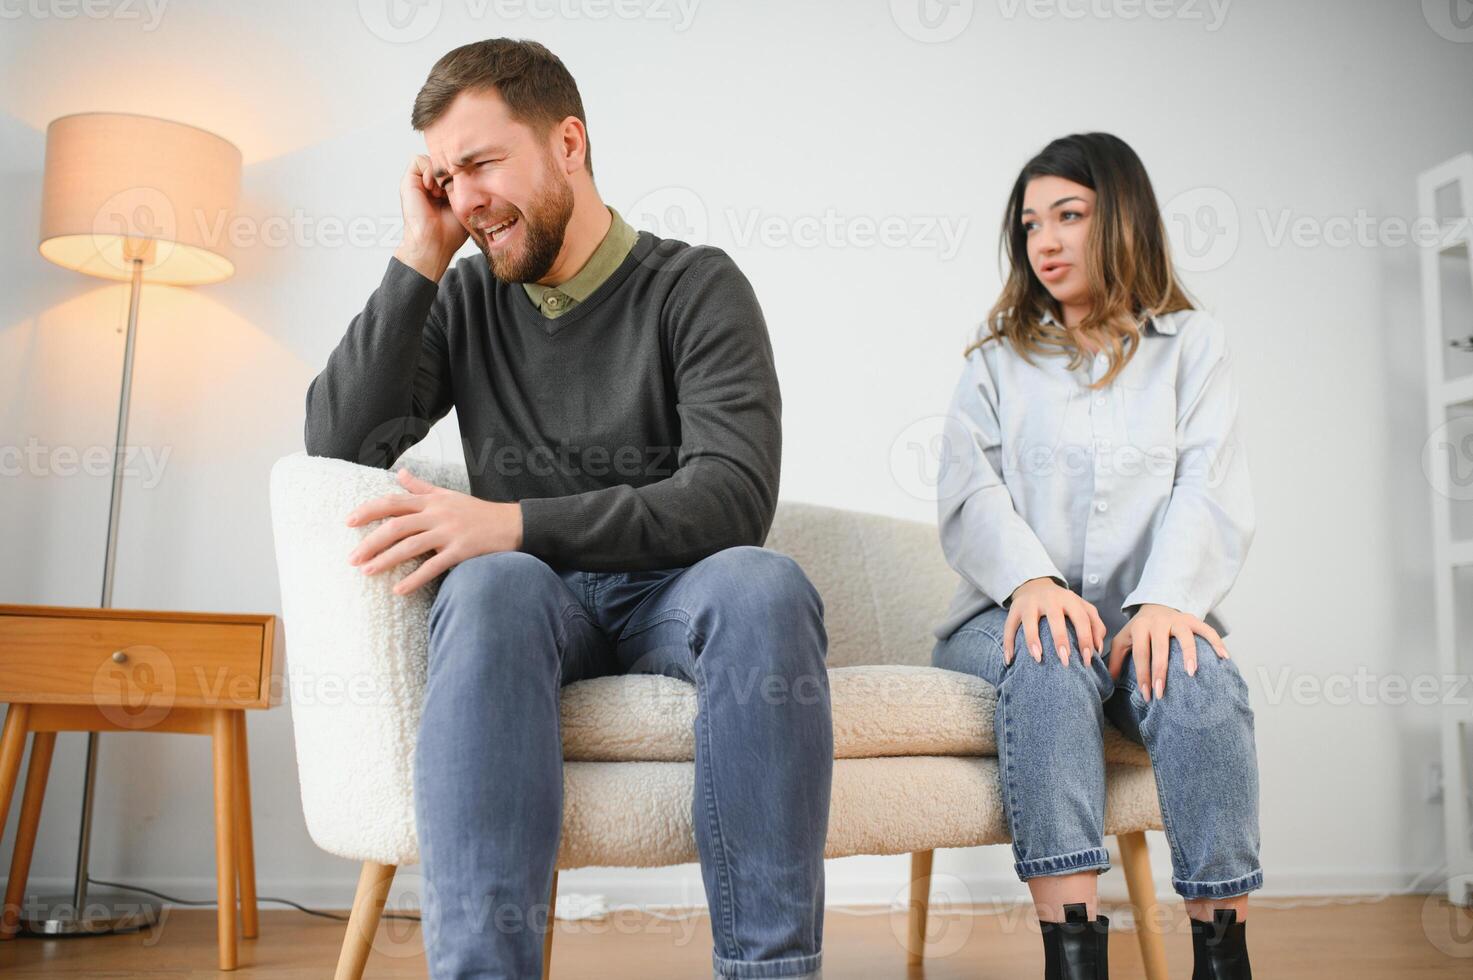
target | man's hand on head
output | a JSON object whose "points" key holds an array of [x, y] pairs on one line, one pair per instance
{"points": [[452, 525], [432, 232]]}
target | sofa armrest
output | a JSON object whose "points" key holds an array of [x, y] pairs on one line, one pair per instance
{"points": [[356, 656]]}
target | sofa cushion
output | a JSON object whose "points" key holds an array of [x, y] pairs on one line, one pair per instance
{"points": [[879, 710], [878, 806]]}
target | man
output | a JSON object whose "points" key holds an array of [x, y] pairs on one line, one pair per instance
{"points": [[620, 415]]}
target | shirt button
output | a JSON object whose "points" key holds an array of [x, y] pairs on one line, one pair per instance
{"points": [[552, 301], [1102, 506], [1094, 580], [1100, 400]]}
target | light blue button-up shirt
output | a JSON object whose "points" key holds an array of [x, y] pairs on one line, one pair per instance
{"points": [[1129, 494]]}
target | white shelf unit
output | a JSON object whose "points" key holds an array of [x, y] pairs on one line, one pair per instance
{"points": [[1445, 193]]}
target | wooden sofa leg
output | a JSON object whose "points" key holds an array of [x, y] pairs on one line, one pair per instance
{"points": [[547, 939], [1136, 859], [368, 904], [920, 903]]}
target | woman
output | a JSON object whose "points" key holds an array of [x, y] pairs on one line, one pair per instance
{"points": [[1094, 488]]}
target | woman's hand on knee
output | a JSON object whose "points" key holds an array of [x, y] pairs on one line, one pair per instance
{"points": [[1043, 598], [1148, 637]]}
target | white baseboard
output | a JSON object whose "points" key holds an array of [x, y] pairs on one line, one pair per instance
{"points": [[681, 887]]}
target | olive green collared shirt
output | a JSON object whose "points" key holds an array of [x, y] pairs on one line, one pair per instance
{"points": [[554, 301]]}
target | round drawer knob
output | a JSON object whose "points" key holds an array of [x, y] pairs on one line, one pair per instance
{"points": [[120, 657]]}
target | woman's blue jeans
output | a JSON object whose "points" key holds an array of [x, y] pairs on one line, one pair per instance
{"points": [[507, 631], [1049, 724]]}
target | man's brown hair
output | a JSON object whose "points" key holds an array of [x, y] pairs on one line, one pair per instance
{"points": [[531, 80]]}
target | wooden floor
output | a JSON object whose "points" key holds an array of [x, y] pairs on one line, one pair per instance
{"points": [[1401, 937]]}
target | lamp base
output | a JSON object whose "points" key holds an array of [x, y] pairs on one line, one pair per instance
{"points": [[103, 913]]}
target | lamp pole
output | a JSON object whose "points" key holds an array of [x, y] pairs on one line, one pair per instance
{"points": [[108, 912]]}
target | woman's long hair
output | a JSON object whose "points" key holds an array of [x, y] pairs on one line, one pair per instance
{"points": [[1128, 261]]}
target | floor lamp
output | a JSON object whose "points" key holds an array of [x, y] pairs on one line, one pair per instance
{"points": [[136, 199]]}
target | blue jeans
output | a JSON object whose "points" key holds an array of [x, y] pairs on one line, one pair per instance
{"points": [[1049, 725], [507, 631]]}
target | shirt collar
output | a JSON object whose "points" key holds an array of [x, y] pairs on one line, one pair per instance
{"points": [[1164, 324], [1161, 324], [611, 252]]}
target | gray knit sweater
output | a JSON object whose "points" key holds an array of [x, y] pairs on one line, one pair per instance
{"points": [[639, 430]]}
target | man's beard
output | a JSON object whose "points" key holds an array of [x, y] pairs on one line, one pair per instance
{"points": [[542, 227]]}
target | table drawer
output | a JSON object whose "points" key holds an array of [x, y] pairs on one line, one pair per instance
{"points": [[134, 663]]}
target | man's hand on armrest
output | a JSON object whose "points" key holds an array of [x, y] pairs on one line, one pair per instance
{"points": [[453, 525]]}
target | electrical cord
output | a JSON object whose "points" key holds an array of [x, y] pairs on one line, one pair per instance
{"points": [[259, 898]]}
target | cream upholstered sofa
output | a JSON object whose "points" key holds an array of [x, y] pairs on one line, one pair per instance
{"points": [[915, 759]]}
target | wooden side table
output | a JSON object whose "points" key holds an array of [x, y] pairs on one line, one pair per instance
{"points": [[69, 668]]}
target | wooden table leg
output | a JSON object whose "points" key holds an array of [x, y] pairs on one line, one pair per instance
{"points": [[12, 747], [245, 849], [42, 744], [224, 744]]}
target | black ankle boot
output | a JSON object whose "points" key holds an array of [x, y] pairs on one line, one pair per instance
{"points": [[1075, 949], [1220, 948]]}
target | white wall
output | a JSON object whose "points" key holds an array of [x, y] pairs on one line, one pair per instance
{"points": [[779, 111]]}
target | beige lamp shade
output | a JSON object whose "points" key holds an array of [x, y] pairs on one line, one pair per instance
{"points": [[120, 186]]}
